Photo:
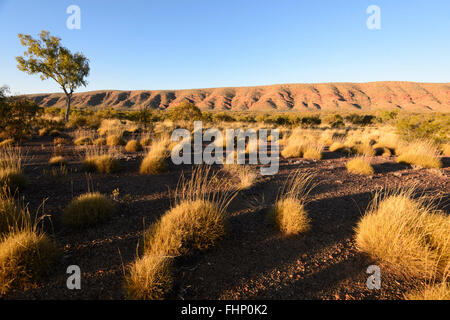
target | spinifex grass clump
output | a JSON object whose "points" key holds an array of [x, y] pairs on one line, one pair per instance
{"points": [[88, 209], [246, 175], [149, 278], [407, 234], [133, 146], [98, 159], [114, 140], [11, 168], [57, 160], [12, 216], [360, 165], [195, 222], [420, 153], [24, 257], [155, 160], [303, 144], [439, 291], [26, 253], [289, 214]]}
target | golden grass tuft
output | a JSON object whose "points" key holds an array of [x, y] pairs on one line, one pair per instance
{"points": [[100, 142], [189, 226], [288, 214], [114, 140], [24, 257], [420, 153], [7, 142], [439, 291], [246, 175], [303, 144], [12, 216], [149, 278], [360, 165], [11, 168], [88, 209], [445, 149], [364, 149], [83, 141], [57, 160], [339, 146], [408, 236], [195, 222], [100, 160], [133, 146], [155, 160]]}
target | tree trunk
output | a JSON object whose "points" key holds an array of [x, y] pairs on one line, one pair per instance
{"points": [[68, 99]]}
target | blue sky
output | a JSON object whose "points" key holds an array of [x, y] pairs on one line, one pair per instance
{"points": [[181, 44]]}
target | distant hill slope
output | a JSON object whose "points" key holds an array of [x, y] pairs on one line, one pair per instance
{"points": [[337, 97]]}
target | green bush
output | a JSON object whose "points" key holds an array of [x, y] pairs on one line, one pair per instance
{"points": [[360, 119], [419, 127], [17, 115], [223, 116], [185, 111]]}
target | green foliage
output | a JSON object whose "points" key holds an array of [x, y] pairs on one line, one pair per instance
{"points": [[185, 111], [360, 119], [48, 58], [386, 116], [17, 115], [223, 117], [435, 127], [144, 116], [245, 118], [334, 120], [311, 121]]}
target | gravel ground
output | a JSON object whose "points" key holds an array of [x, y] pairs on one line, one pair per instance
{"points": [[252, 262]]}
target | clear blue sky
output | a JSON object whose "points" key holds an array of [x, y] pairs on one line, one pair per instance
{"points": [[177, 44]]}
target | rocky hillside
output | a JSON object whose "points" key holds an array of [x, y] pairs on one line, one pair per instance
{"points": [[337, 97]]}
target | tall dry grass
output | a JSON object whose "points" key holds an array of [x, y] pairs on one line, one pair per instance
{"points": [[406, 233], [421, 153], [11, 168], [304, 144], [289, 214], [100, 159], [154, 161], [245, 174], [194, 223], [26, 253]]}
